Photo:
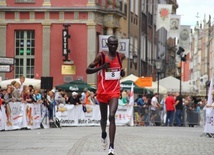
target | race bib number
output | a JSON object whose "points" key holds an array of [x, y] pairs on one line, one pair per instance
{"points": [[112, 74]]}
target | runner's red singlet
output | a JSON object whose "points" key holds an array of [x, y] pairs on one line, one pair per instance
{"points": [[109, 80]]}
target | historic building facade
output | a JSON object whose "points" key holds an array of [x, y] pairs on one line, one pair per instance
{"points": [[154, 44], [201, 54], [55, 38]]}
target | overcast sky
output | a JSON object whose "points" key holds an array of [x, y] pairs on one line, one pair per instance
{"points": [[188, 10]]}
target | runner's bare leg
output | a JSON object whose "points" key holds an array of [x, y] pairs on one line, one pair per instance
{"points": [[113, 105], [103, 121]]}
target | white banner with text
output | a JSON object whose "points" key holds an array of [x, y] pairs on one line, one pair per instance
{"points": [[17, 115]]}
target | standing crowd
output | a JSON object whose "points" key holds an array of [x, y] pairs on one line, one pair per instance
{"points": [[169, 110], [18, 91]]}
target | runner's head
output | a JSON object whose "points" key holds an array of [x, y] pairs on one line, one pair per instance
{"points": [[112, 44]]}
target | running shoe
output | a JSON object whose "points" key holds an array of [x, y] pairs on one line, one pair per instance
{"points": [[111, 151], [104, 143]]}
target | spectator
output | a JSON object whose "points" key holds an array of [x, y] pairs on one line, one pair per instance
{"points": [[124, 97], [65, 98], [58, 96], [163, 112], [170, 108], [147, 103], [154, 106], [139, 108], [122, 101], [179, 109], [92, 98], [22, 80], [96, 101], [38, 96], [16, 94], [29, 97], [85, 95], [50, 104], [73, 99], [3, 92], [30, 88], [25, 95], [13, 83], [32, 95], [128, 92], [8, 97], [140, 101]]}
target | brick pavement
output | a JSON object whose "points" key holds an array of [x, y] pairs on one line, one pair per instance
{"points": [[86, 141]]}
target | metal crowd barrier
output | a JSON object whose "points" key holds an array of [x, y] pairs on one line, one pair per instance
{"points": [[192, 118], [144, 116]]}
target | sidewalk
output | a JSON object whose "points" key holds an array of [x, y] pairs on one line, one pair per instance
{"points": [[86, 141]]}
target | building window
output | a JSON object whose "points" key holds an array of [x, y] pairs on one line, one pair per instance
{"points": [[25, 53], [125, 9], [121, 6], [25, 1]]}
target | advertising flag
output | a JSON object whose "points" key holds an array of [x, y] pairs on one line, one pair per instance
{"points": [[210, 99], [103, 39], [174, 26], [209, 121], [184, 36], [163, 16], [131, 100]]}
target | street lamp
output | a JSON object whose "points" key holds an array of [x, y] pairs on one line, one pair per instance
{"points": [[207, 85], [182, 56], [134, 56], [158, 65]]}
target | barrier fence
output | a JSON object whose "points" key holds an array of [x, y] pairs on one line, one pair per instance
{"points": [[17, 115], [144, 116]]}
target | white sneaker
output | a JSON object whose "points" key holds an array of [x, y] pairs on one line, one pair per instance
{"points": [[111, 151], [104, 143]]}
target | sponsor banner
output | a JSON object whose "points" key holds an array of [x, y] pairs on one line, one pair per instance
{"points": [[124, 115], [75, 115], [209, 124], [36, 116], [2, 117], [163, 16], [14, 116], [44, 117], [66, 115], [29, 115], [17, 115], [209, 111]]}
